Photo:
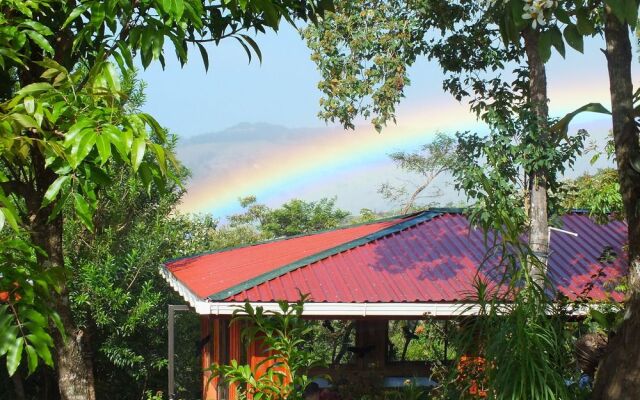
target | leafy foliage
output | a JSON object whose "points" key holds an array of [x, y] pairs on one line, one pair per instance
{"points": [[292, 218], [24, 309], [116, 291], [598, 193], [363, 51], [430, 162], [494, 170], [283, 336], [64, 121]]}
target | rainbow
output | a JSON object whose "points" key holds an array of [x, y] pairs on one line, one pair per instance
{"points": [[336, 151]]}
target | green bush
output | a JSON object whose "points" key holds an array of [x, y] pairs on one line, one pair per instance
{"points": [[284, 338]]}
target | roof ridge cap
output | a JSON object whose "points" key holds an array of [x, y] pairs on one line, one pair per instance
{"points": [[413, 220]]}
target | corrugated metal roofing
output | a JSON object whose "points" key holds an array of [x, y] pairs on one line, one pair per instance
{"points": [[431, 257], [213, 273]]}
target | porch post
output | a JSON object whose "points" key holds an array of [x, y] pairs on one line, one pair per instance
{"points": [[171, 351]]}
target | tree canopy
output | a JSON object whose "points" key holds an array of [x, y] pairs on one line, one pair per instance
{"points": [[292, 218]]}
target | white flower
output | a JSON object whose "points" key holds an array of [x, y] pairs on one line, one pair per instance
{"points": [[535, 13]]}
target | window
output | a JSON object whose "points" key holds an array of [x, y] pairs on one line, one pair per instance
{"points": [[332, 339], [416, 340]]}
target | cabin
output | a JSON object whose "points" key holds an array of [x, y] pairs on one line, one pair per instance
{"points": [[401, 268]]}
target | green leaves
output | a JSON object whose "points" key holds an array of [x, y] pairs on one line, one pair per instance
{"points": [[83, 210], [561, 127], [29, 104], [104, 148], [75, 13], [25, 311], [112, 77], [54, 189], [544, 45], [41, 41], [556, 39], [287, 360], [253, 45], [625, 10], [574, 38], [14, 355], [137, 152], [61, 125], [175, 8]]}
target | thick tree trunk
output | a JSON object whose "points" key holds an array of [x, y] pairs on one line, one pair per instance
{"points": [[619, 372], [73, 362], [539, 225]]}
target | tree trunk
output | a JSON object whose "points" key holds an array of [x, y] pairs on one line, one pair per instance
{"points": [[72, 357], [18, 386], [619, 372], [539, 225]]}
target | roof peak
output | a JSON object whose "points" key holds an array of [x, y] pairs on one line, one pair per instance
{"points": [[284, 238], [410, 220]]}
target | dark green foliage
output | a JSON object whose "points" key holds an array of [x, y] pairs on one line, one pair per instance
{"points": [[66, 131], [24, 296], [117, 293], [292, 218]]}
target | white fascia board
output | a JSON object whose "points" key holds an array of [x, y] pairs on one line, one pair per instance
{"points": [[182, 290], [391, 310], [350, 309]]}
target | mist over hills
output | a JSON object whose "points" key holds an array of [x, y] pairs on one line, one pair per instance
{"points": [[241, 145]]}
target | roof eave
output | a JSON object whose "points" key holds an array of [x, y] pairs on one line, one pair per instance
{"points": [[194, 301]]}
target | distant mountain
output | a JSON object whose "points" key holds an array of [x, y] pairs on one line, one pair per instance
{"points": [[223, 152], [242, 132]]}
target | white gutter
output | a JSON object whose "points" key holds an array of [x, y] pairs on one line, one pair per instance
{"points": [[206, 307], [350, 309]]}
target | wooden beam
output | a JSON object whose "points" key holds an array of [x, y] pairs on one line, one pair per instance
{"points": [[209, 332]]}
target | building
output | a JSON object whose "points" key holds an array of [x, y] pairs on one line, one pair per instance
{"points": [[401, 268]]}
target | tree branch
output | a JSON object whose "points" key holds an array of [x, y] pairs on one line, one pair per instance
{"points": [[16, 188]]}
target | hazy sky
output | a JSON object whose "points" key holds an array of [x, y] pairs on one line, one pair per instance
{"points": [[282, 91]]}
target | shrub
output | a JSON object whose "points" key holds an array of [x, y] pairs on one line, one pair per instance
{"points": [[284, 341]]}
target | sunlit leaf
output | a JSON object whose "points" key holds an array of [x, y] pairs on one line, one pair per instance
{"points": [[137, 152], [41, 41], [54, 189], [14, 355], [104, 147], [83, 210]]}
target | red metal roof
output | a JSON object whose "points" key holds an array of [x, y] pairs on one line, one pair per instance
{"points": [[208, 274], [429, 257]]}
